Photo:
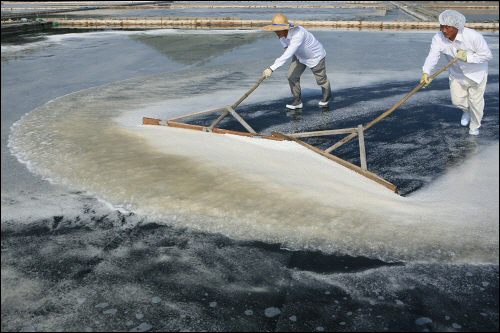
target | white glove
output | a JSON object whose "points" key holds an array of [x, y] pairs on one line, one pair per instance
{"points": [[267, 73]]}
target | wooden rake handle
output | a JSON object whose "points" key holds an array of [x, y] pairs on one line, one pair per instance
{"points": [[248, 93], [388, 112]]}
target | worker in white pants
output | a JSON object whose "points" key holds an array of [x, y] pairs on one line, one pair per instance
{"points": [[469, 75], [469, 97]]}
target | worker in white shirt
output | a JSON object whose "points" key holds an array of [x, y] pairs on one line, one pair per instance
{"points": [[469, 74], [305, 51]]}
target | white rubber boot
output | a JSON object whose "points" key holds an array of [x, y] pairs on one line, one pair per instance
{"points": [[465, 119], [476, 132]]}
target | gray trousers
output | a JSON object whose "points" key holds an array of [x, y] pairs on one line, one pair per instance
{"points": [[295, 71]]}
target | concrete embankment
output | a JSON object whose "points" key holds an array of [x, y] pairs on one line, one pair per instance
{"points": [[212, 23], [322, 6], [25, 26]]}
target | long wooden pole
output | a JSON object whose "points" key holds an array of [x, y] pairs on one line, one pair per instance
{"points": [[248, 93], [388, 112]]}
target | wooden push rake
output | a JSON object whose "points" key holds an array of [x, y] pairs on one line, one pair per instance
{"points": [[353, 132]]}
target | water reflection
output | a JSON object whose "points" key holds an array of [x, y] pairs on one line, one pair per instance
{"points": [[197, 49]]}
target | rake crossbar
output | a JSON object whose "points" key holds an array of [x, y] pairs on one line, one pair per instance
{"points": [[169, 123], [228, 109], [198, 113], [216, 122], [340, 161], [240, 120], [322, 133]]}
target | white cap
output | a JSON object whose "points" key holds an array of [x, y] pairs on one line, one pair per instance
{"points": [[452, 18]]}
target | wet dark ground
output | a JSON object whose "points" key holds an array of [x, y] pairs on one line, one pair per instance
{"points": [[212, 283]]}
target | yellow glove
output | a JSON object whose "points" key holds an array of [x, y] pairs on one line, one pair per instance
{"points": [[267, 73], [425, 78], [461, 55]]}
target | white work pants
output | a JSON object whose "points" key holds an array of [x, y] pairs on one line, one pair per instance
{"points": [[469, 97]]}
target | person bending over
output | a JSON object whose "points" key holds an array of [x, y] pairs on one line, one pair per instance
{"points": [[305, 51]]}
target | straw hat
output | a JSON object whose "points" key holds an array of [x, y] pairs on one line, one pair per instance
{"points": [[279, 23]]}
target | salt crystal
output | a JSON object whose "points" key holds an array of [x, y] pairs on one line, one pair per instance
{"points": [[102, 305], [271, 312], [110, 311], [423, 321]]}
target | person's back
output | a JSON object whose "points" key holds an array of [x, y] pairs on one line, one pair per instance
{"points": [[310, 51]]}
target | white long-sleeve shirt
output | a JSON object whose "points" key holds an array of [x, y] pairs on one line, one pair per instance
{"points": [[303, 45], [469, 40]]}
